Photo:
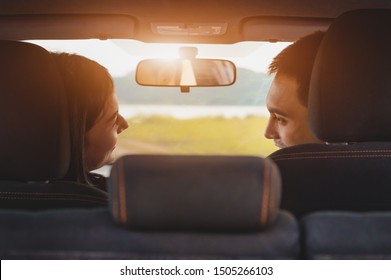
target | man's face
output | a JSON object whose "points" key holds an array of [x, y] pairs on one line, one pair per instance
{"points": [[288, 123]]}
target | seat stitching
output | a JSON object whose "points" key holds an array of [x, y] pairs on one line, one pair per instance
{"points": [[51, 194], [49, 198], [21, 197], [327, 157], [331, 152]]}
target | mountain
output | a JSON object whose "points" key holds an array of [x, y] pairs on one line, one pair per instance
{"points": [[250, 89]]}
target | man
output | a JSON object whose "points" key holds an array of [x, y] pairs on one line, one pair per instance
{"points": [[287, 98]]}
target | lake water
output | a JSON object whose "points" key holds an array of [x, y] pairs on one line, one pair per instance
{"points": [[189, 112]]}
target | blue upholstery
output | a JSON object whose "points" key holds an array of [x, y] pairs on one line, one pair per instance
{"points": [[344, 235], [92, 234]]}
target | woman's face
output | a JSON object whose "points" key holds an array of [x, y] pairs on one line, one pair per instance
{"points": [[101, 139]]}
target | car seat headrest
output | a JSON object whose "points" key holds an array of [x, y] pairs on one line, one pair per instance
{"points": [[34, 143], [350, 90], [210, 193]]}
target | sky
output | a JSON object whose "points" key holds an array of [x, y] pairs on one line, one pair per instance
{"points": [[121, 56]]}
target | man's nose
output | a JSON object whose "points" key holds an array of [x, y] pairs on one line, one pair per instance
{"points": [[270, 130]]}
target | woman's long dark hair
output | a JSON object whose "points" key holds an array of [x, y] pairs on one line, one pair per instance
{"points": [[89, 86]]}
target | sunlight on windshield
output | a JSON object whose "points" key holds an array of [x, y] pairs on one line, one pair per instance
{"points": [[208, 120], [121, 56]]}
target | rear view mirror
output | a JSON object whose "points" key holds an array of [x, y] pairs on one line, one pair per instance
{"points": [[193, 72]]}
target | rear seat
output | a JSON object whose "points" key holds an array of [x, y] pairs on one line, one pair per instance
{"points": [[204, 206], [167, 207]]}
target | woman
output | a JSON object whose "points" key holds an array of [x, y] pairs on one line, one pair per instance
{"points": [[94, 118]]}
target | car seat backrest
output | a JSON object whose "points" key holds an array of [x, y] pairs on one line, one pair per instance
{"points": [[319, 177], [349, 98], [167, 207], [34, 143], [35, 133], [349, 103]]}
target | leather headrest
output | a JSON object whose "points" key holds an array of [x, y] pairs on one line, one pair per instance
{"points": [[209, 193], [350, 90], [34, 142]]}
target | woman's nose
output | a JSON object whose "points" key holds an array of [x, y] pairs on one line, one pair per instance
{"points": [[123, 124]]}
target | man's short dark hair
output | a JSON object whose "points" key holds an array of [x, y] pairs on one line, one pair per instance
{"points": [[296, 61]]}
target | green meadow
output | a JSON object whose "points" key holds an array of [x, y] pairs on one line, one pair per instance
{"points": [[204, 135]]}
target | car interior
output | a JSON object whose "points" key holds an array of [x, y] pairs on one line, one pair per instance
{"points": [[311, 201]]}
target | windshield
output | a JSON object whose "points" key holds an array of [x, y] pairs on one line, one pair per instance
{"points": [[208, 120]]}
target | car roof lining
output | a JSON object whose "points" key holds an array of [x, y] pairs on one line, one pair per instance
{"points": [[281, 28], [26, 27], [246, 20], [149, 10]]}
